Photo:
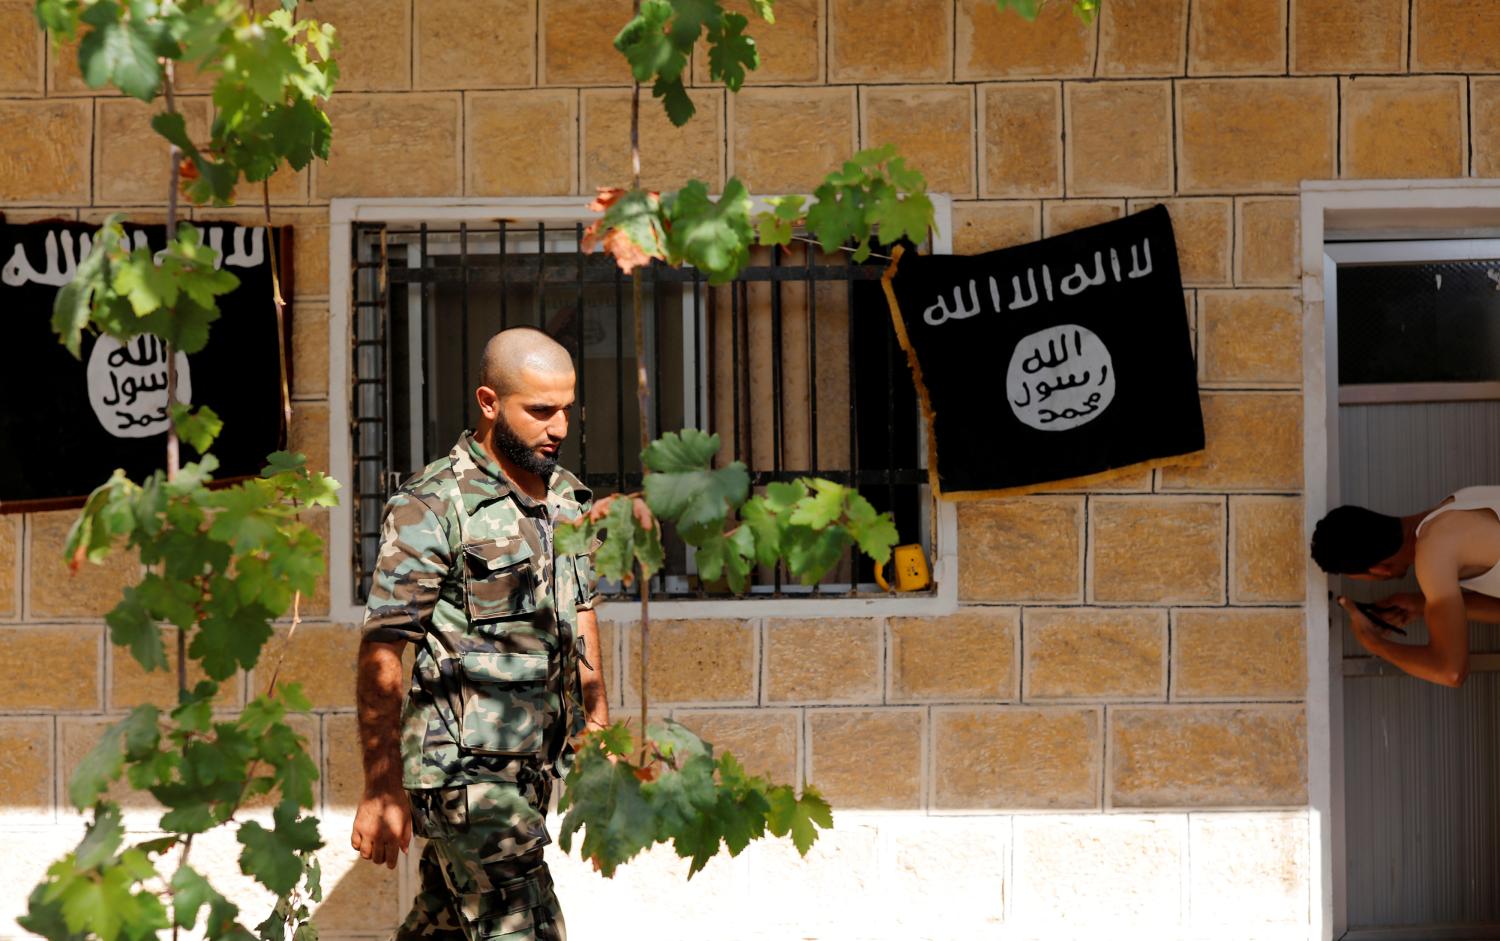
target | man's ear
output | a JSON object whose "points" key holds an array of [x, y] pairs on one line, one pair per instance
{"points": [[489, 402]]}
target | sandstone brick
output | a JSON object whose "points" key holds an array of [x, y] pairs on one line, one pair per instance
{"points": [[1237, 37], [54, 590], [21, 49], [1016, 758], [1268, 552], [343, 771], [321, 657], [1239, 654], [769, 144], [840, 744], [374, 52], [26, 764], [74, 688], [670, 156], [836, 660], [1250, 872], [986, 226], [1255, 135], [1100, 876], [1020, 140], [472, 44], [1143, 37], [694, 661], [1455, 36], [577, 42], [1250, 337], [1026, 549], [310, 351], [1254, 442], [1404, 127], [791, 51], [49, 164], [1484, 126], [999, 44], [1204, 231], [392, 145], [969, 655], [1349, 35], [890, 41], [763, 740], [958, 864], [1268, 240], [287, 186], [1069, 215], [22, 216], [1082, 654], [931, 126], [1207, 756], [1118, 138], [309, 434], [546, 120], [10, 568], [131, 158], [1146, 550], [130, 685], [309, 246]]}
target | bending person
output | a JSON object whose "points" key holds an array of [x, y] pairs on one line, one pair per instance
{"points": [[1455, 547]]}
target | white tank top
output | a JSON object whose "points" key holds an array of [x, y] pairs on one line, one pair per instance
{"points": [[1474, 498]]}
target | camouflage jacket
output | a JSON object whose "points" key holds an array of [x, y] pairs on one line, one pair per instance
{"points": [[467, 574]]}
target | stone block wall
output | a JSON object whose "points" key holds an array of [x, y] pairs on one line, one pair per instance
{"points": [[1110, 730]]}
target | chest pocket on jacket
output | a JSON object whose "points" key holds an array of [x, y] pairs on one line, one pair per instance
{"points": [[499, 578], [506, 708]]}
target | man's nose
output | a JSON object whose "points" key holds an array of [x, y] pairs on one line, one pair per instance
{"points": [[557, 428]]}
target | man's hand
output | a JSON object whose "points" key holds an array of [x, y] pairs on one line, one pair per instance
{"points": [[382, 827], [1365, 631], [1402, 609]]}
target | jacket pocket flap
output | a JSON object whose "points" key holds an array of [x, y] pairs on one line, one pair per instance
{"points": [[499, 554], [505, 667]]}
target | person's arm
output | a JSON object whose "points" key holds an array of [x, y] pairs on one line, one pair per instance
{"points": [[382, 824], [595, 699], [1484, 608], [1444, 659], [414, 558]]}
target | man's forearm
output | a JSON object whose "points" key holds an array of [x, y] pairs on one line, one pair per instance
{"points": [[1422, 661], [1483, 608], [378, 691], [595, 697]]}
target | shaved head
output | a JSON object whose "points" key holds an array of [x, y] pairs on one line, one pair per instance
{"points": [[509, 352]]}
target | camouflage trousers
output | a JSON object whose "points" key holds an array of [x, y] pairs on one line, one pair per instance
{"points": [[482, 874]]}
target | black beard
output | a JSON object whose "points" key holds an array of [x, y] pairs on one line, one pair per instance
{"points": [[508, 443]]}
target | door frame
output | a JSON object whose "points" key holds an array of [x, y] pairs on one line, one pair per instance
{"points": [[1334, 211]]}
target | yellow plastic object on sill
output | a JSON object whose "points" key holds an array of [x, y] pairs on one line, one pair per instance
{"points": [[911, 570]]}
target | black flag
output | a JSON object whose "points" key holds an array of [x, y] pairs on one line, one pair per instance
{"points": [[67, 423], [1064, 359]]}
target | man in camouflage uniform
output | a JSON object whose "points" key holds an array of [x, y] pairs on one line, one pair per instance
{"points": [[506, 667]]}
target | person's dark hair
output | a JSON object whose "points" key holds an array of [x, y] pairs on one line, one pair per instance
{"points": [[1351, 540]]}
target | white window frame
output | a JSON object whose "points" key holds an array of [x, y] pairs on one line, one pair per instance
{"points": [[345, 212], [1334, 211]]}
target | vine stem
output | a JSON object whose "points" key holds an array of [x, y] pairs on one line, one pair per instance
{"points": [[643, 397]]}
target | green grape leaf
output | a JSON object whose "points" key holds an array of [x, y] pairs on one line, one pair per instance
{"points": [[314, 878], [731, 53], [647, 46], [616, 557], [713, 236], [874, 533], [102, 839], [574, 537], [812, 553], [682, 488], [270, 856], [616, 739], [131, 625], [190, 893], [690, 18], [823, 508], [675, 99], [765, 9], [231, 638], [198, 427], [899, 218], [284, 462], [122, 52], [799, 817]]}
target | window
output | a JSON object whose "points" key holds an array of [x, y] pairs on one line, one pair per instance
{"points": [[795, 365]]}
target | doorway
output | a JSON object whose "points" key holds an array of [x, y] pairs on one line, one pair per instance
{"points": [[1417, 352]]}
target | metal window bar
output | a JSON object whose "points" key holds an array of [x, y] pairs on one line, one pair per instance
{"points": [[716, 334]]}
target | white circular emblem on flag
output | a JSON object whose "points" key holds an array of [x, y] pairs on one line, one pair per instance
{"points": [[1060, 378], [128, 385]]}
